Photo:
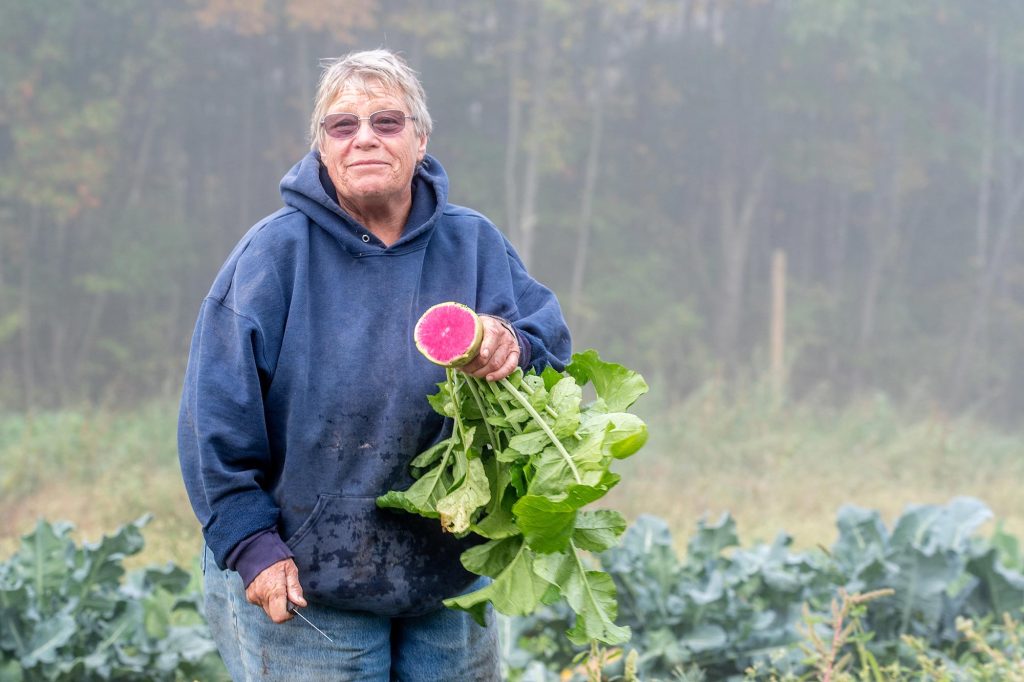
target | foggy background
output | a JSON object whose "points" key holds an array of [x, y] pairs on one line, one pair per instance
{"points": [[801, 220], [647, 158]]}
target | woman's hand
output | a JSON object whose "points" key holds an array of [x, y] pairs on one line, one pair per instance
{"points": [[274, 588], [499, 352]]}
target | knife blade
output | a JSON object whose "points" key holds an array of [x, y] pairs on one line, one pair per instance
{"points": [[294, 610]]}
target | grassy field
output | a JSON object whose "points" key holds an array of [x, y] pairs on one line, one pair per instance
{"points": [[99, 470], [774, 469], [792, 468]]}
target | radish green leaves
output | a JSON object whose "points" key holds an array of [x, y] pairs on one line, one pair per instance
{"points": [[525, 456]]}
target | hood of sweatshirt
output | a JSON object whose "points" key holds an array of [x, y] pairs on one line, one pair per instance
{"points": [[307, 188]]}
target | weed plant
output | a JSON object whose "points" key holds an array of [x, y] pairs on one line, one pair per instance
{"points": [[988, 651]]}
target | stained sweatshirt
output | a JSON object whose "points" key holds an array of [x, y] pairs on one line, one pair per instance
{"points": [[305, 397]]}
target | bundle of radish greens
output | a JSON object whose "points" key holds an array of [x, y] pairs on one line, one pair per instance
{"points": [[524, 457]]}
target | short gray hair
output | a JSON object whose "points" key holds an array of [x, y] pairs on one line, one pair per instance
{"points": [[366, 69]]}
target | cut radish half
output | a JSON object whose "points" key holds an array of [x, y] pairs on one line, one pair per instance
{"points": [[449, 334]]}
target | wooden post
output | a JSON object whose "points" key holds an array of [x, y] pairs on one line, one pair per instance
{"points": [[778, 329]]}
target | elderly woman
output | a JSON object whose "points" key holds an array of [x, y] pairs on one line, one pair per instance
{"points": [[305, 398]]}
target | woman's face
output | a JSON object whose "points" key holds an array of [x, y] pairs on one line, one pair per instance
{"points": [[368, 169]]}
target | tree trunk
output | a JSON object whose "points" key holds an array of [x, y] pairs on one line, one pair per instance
{"points": [[577, 304], [28, 361], [884, 235], [60, 318], [747, 131], [738, 214], [515, 58], [306, 93], [8, 313], [598, 99], [778, 326], [987, 152], [244, 169], [1009, 197], [534, 145], [141, 166], [838, 230]]}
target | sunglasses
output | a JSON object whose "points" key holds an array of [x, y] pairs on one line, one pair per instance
{"points": [[344, 126]]}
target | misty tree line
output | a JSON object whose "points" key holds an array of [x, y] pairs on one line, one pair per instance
{"points": [[645, 157]]}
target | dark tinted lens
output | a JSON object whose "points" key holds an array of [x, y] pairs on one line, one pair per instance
{"points": [[341, 125], [388, 122]]}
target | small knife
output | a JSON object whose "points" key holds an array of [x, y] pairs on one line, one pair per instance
{"points": [[294, 610]]}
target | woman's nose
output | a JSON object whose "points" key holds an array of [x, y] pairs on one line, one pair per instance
{"points": [[365, 135]]}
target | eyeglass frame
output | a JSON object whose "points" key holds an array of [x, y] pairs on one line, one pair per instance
{"points": [[360, 119]]}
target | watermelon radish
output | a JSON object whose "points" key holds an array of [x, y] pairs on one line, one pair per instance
{"points": [[449, 334]]}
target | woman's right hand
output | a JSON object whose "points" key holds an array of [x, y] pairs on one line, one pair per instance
{"points": [[272, 589], [499, 352]]}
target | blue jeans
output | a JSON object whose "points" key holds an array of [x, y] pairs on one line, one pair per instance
{"points": [[444, 645]]}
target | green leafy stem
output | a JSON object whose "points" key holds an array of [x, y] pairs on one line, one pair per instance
{"points": [[471, 384], [544, 427]]}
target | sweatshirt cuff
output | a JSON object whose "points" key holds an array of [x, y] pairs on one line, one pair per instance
{"points": [[525, 349], [256, 553]]}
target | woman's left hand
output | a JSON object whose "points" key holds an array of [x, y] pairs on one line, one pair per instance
{"points": [[499, 352]]}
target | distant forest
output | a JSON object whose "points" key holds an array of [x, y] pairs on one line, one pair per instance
{"points": [[647, 159]]}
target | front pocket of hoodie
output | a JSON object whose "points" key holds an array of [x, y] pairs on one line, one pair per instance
{"points": [[353, 556]]}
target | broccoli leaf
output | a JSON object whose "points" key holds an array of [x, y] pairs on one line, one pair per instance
{"points": [[591, 594]]}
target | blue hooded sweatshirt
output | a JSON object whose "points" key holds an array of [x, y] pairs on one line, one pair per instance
{"points": [[305, 396]]}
